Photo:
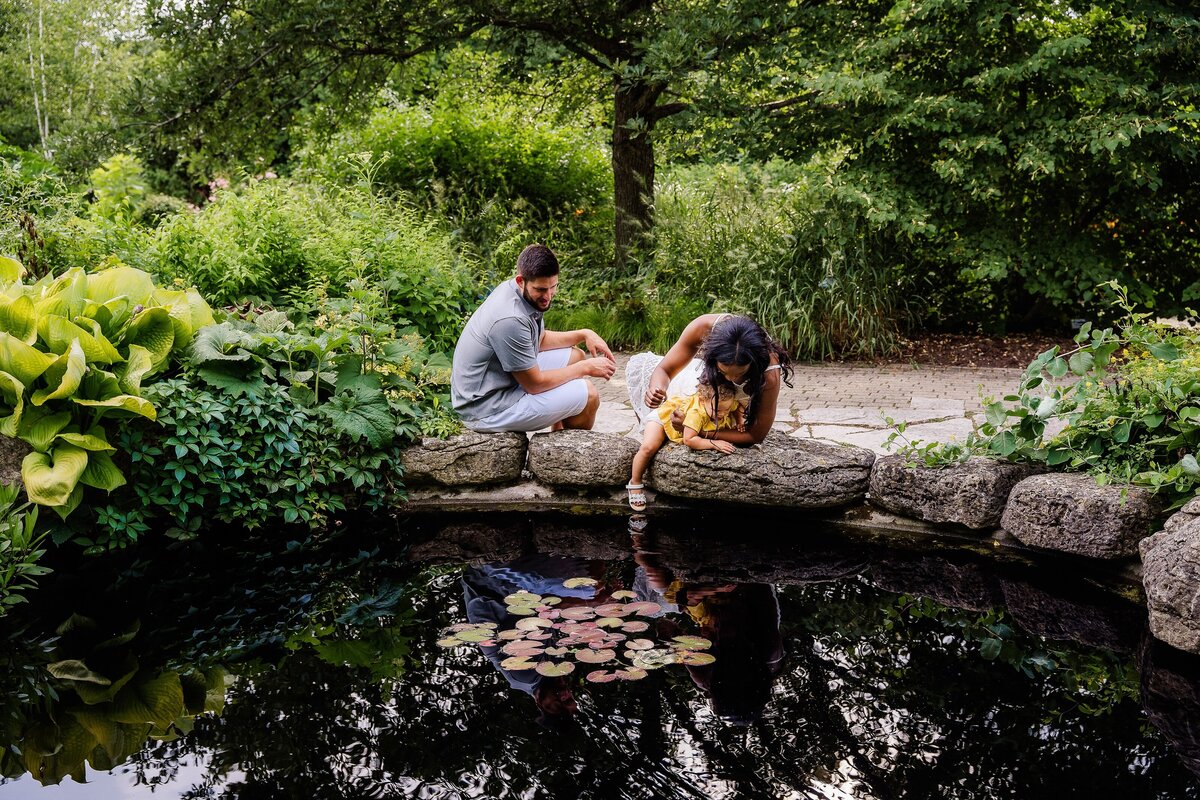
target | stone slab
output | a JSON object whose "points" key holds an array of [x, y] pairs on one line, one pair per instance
{"points": [[468, 459]]}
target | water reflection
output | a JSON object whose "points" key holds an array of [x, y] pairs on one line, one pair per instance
{"points": [[841, 671]]}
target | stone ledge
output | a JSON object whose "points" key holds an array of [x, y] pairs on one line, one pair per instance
{"points": [[581, 458], [972, 494], [468, 459], [1068, 512], [1171, 577], [782, 471]]}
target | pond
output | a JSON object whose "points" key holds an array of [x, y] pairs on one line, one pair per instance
{"points": [[787, 658]]}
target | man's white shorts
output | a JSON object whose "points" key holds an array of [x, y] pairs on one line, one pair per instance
{"points": [[536, 411]]}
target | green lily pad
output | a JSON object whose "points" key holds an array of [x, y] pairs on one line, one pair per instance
{"points": [[523, 599], [510, 634], [696, 659], [631, 674], [578, 583], [609, 622], [624, 594], [521, 611], [551, 600], [552, 669], [691, 643], [450, 641], [516, 663], [475, 635]]}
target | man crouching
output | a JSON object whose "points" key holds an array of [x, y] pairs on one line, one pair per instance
{"points": [[511, 374]]}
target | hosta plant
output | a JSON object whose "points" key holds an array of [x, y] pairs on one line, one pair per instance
{"points": [[74, 351]]}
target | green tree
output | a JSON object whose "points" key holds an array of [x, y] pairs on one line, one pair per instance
{"points": [[1036, 149], [63, 67], [255, 62]]}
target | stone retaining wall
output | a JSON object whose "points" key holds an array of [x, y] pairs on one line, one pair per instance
{"points": [[987, 498]]}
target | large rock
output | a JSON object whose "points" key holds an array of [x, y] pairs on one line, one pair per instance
{"points": [[468, 459], [972, 493], [12, 452], [1171, 577], [782, 471], [581, 458], [1070, 513]]}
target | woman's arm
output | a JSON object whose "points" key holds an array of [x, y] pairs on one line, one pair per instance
{"points": [[764, 419], [683, 351]]}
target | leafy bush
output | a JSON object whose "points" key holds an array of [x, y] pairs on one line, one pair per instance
{"points": [[74, 351], [773, 241], [1124, 404], [275, 421], [20, 548], [283, 242], [493, 151]]}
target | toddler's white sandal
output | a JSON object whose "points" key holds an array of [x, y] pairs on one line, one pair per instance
{"points": [[637, 496]]}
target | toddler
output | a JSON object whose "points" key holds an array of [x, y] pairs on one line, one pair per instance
{"points": [[703, 411]]}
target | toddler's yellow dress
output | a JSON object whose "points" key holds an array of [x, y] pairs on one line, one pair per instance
{"points": [[695, 416]]}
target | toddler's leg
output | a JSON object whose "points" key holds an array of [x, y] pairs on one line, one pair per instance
{"points": [[652, 442]]}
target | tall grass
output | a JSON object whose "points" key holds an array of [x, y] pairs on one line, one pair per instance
{"points": [[774, 242]]}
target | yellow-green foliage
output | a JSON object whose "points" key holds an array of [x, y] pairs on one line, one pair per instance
{"points": [[74, 350]]}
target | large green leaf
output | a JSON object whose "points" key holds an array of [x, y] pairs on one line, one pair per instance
{"points": [[73, 669], [23, 362], [17, 316], [65, 296], [123, 402], [159, 701], [13, 393], [153, 330], [220, 343], [112, 317], [137, 364], [102, 473], [361, 414], [40, 428], [58, 333], [188, 311], [120, 281], [50, 478], [94, 440], [63, 376], [10, 270]]}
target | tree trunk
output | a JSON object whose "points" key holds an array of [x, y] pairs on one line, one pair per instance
{"points": [[633, 173]]}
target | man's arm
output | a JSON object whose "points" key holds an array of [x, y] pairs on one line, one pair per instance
{"points": [[537, 380], [553, 340]]}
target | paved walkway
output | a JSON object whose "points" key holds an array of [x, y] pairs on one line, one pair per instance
{"points": [[848, 402]]}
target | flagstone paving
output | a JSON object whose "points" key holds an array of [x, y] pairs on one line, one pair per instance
{"points": [[850, 402]]}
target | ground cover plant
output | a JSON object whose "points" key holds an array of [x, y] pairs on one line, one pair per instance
{"points": [[1122, 404]]}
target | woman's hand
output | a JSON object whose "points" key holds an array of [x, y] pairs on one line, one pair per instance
{"points": [[723, 446], [654, 397]]}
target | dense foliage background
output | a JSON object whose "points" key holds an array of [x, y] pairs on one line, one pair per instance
{"points": [[342, 182]]}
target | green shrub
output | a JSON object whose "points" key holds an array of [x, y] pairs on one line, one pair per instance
{"points": [[1124, 405], [477, 152], [74, 351], [281, 242], [775, 242], [20, 548]]}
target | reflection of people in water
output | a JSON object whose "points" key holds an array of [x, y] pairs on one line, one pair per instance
{"points": [[742, 621], [484, 590]]}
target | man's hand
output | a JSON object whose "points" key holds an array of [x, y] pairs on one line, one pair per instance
{"points": [[600, 367], [595, 345]]}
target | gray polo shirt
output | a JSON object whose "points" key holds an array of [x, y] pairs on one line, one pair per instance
{"points": [[500, 338]]}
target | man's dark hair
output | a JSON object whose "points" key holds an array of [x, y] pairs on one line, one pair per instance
{"points": [[537, 261]]}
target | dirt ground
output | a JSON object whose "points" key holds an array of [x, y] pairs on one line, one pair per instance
{"points": [[968, 350]]}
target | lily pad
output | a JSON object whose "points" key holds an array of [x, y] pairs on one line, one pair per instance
{"points": [[532, 623], [692, 642], [609, 622], [639, 644], [552, 669], [521, 611], [475, 635], [612, 610], [510, 634], [556, 651], [635, 627], [578, 613], [521, 648], [578, 583], [696, 659], [450, 641], [631, 674], [538, 635], [601, 676], [516, 662], [624, 594], [643, 609], [551, 614], [523, 599], [551, 600], [595, 656]]}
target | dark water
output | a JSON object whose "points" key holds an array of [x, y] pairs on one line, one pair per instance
{"points": [[844, 668]]}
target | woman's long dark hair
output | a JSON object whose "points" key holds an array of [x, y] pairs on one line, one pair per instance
{"points": [[740, 341]]}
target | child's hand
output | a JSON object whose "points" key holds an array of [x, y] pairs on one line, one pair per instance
{"points": [[723, 446]]}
